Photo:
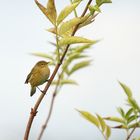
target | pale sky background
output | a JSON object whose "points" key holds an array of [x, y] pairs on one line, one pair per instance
{"points": [[116, 57]]}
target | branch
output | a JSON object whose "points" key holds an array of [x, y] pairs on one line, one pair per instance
{"points": [[128, 137], [50, 110], [48, 117], [34, 109]]}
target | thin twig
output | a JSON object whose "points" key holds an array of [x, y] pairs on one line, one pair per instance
{"points": [[48, 118], [34, 109], [50, 110], [128, 137]]}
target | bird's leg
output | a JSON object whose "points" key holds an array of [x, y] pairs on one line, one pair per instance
{"points": [[40, 90], [47, 80]]}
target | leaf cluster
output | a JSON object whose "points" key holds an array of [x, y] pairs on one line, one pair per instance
{"points": [[98, 121], [63, 28], [129, 120]]}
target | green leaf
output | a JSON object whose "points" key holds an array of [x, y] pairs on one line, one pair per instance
{"points": [[65, 82], [52, 30], [74, 40], [82, 48], [137, 124], [74, 1], [71, 57], [68, 81], [79, 66], [100, 2], [89, 117], [102, 122], [44, 55], [90, 18], [126, 89], [131, 118], [66, 11], [69, 25], [121, 111], [129, 112], [134, 104], [108, 131], [93, 9], [114, 119], [50, 11]]}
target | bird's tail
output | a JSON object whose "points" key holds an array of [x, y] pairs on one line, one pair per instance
{"points": [[33, 90]]}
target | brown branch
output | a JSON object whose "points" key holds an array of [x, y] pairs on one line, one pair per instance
{"points": [[118, 127], [122, 127], [34, 109], [137, 125]]}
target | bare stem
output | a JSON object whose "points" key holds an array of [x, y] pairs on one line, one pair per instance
{"points": [[34, 109], [128, 137], [48, 117], [50, 110]]}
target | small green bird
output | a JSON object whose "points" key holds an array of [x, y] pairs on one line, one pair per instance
{"points": [[38, 75]]}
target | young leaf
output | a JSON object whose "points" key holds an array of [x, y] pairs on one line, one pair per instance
{"points": [[66, 11], [131, 118], [102, 122], [126, 89], [137, 124], [89, 117], [114, 119], [133, 103], [108, 131], [74, 40], [73, 56], [68, 81], [82, 48], [50, 11], [70, 59], [121, 111], [65, 81], [79, 65], [89, 20], [44, 55], [100, 2], [74, 1], [129, 112], [66, 26], [93, 9], [52, 30]]}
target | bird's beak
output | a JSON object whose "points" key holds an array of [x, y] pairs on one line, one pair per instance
{"points": [[48, 62]]}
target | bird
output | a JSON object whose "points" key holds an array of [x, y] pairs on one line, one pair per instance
{"points": [[38, 76]]}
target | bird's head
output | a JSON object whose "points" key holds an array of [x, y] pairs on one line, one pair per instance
{"points": [[42, 64]]}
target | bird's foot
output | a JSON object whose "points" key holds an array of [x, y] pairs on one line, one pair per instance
{"points": [[48, 80], [41, 90]]}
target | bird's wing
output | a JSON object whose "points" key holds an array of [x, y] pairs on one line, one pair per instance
{"points": [[33, 71], [27, 79]]}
